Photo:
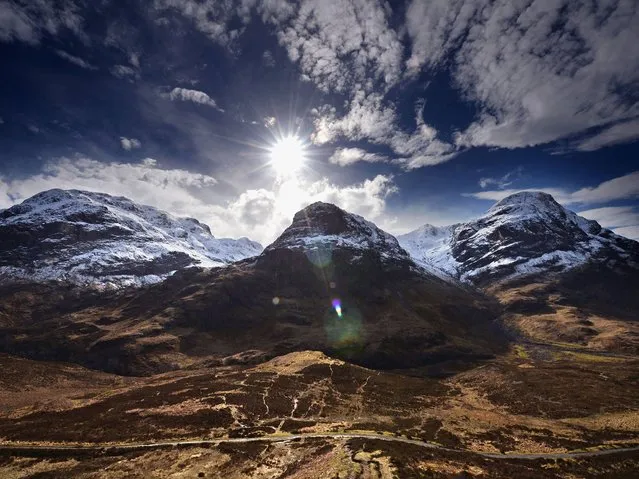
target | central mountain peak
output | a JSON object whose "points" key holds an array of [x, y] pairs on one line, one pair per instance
{"points": [[527, 197], [529, 204], [324, 225]]}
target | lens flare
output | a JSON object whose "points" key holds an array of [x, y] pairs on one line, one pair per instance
{"points": [[344, 329], [337, 305]]}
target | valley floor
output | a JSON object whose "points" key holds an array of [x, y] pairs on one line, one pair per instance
{"points": [[519, 415]]}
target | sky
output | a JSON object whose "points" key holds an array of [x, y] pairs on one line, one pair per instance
{"points": [[407, 112]]}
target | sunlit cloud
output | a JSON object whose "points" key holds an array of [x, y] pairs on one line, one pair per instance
{"points": [[261, 214], [195, 96], [130, 143]]}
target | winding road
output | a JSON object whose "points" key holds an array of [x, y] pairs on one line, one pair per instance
{"points": [[108, 448]]}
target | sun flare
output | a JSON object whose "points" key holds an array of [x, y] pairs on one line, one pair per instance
{"points": [[288, 155]]}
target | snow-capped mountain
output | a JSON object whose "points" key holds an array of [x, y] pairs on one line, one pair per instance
{"points": [[522, 234], [98, 239], [323, 227], [331, 282]]}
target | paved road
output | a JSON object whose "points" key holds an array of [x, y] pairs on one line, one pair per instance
{"points": [[122, 448]]}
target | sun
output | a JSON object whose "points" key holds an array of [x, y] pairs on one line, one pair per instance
{"points": [[288, 155]]}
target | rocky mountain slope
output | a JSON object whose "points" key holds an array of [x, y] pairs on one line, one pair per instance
{"points": [[559, 277], [332, 282], [524, 234], [101, 240], [323, 227]]}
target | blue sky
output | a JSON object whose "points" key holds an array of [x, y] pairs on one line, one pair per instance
{"points": [[411, 112]]}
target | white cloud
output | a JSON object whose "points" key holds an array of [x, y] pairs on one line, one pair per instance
{"points": [[15, 24], [435, 27], [348, 156], [29, 20], [125, 72], [195, 96], [631, 232], [267, 59], [345, 46], [151, 162], [130, 143], [626, 186], [422, 147], [486, 182], [212, 18], [339, 43], [503, 181], [134, 59], [139, 182], [612, 216], [620, 133], [75, 60], [1, 121], [620, 188], [261, 214], [539, 70], [623, 220], [369, 118]]}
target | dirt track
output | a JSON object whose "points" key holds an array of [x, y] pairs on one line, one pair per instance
{"points": [[114, 449]]}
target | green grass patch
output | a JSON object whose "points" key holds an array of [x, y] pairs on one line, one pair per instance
{"points": [[591, 358], [521, 352]]}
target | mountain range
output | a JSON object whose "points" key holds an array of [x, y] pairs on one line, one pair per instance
{"points": [[332, 281]]}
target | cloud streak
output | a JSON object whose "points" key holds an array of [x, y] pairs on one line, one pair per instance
{"points": [[620, 188], [75, 60], [624, 220], [195, 96], [614, 135], [349, 156]]}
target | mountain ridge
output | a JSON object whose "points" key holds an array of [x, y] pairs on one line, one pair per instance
{"points": [[523, 234], [107, 241]]}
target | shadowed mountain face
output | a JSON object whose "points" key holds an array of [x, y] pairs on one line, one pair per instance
{"points": [[332, 282]]}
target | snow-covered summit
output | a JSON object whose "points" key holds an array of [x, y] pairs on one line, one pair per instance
{"points": [[522, 234], [535, 205], [95, 238], [429, 246], [325, 226]]}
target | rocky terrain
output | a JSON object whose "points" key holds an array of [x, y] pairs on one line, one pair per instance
{"points": [[503, 347], [531, 413], [98, 240]]}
